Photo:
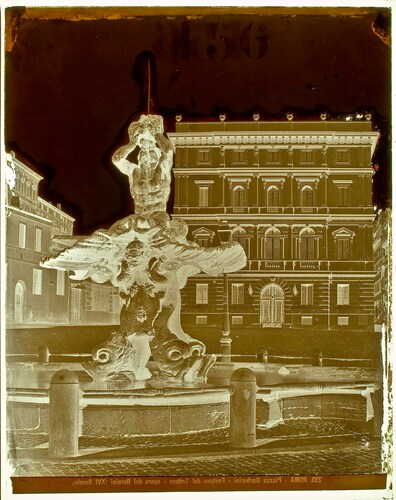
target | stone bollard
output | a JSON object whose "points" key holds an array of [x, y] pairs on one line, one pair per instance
{"points": [[243, 409], [225, 343], [317, 358], [64, 397], [43, 354], [262, 356]]}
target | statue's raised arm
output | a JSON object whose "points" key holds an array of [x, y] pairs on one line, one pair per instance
{"points": [[120, 157], [149, 177]]}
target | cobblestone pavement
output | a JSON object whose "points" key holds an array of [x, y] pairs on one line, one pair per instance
{"points": [[345, 458]]}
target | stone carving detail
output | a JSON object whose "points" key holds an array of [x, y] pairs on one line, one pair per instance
{"points": [[149, 259]]}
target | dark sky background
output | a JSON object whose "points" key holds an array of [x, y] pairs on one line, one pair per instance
{"points": [[71, 87]]}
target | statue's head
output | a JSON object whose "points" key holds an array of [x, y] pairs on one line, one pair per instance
{"points": [[148, 125]]}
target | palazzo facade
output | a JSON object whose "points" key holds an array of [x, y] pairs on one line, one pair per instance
{"points": [[298, 197]]}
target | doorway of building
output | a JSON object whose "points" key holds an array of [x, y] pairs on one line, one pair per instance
{"points": [[75, 309], [20, 298], [272, 306]]}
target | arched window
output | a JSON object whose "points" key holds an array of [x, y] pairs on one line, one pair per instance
{"points": [[238, 196], [272, 306], [240, 235], [19, 310], [273, 196], [308, 244], [272, 244], [307, 196]]}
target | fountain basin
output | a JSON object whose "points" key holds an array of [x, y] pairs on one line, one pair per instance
{"points": [[116, 409], [127, 409]]}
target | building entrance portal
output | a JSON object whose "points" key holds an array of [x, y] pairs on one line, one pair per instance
{"points": [[19, 302], [272, 306]]}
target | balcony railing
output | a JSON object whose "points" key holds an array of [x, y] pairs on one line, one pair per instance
{"points": [[180, 209], [308, 265]]}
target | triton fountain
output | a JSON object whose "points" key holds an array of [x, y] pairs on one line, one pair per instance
{"points": [[148, 258]]}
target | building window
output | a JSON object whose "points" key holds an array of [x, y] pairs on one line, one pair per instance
{"points": [[307, 244], [201, 293], [37, 282], [342, 156], [306, 156], [237, 293], [343, 241], [272, 242], [203, 196], [201, 320], [238, 156], [239, 235], [273, 196], [60, 282], [344, 248], [306, 320], [238, 196], [204, 156], [342, 320], [307, 295], [202, 242], [272, 156], [237, 320], [307, 196], [343, 196], [342, 295], [38, 240], [203, 236], [22, 235], [100, 298]]}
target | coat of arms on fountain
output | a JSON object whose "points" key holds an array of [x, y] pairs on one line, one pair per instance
{"points": [[149, 259]]}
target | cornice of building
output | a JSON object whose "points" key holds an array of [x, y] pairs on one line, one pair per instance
{"points": [[345, 218], [285, 138], [30, 215], [55, 209], [26, 170], [263, 171], [333, 275], [37, 178]]}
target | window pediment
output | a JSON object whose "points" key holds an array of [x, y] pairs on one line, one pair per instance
{"points": [[203, 232], [343, 233]]}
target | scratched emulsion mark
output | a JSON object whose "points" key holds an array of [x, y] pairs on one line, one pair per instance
{"points": [[381, 28], [387, 356]]}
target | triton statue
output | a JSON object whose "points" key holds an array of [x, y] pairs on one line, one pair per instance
{"points": [[148, 258]]}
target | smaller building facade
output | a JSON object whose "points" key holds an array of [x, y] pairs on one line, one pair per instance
{"points": [[36, 295], [33, 294]]}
